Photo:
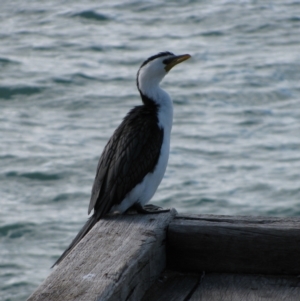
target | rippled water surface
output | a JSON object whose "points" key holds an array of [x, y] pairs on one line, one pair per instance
{"points": [[68, 78]]}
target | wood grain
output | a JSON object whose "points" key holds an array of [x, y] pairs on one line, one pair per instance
{"points": [[233, 244], [175, 286], [117, 260], [226, 287], [172, 286]]}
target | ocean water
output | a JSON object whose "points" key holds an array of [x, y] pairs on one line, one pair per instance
{"points": [[67, 78]]}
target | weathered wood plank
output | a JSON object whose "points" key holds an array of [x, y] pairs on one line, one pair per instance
{"points": [[172, 286], [175, 286], [229, 244], [117, 260], [226, 287]]}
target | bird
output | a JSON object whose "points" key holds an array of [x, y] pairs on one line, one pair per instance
{"points": [[135, 158]]}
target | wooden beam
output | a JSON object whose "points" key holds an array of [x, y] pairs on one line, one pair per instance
{"points": [[177, 286], [117, 260], [234, 287], [233, 244], [172, 286]]}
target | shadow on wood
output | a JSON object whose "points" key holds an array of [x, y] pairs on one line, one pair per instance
{"points": [[234, 244], [177, 286]]}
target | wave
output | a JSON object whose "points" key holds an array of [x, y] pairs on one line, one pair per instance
{"points": [[91, 15], [16, 230], [9, 92], [4, 62], [213, 33], [62, 197], [40, 176]]}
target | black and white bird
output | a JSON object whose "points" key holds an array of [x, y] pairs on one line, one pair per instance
{"points": [[135, 158]]}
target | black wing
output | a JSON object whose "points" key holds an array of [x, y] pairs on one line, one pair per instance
{"points": [[130, 154]]}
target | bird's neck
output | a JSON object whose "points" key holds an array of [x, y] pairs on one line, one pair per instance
{"points": [[155, 95], [152, 91]]}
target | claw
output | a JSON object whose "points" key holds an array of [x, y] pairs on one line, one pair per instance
{"points": [[149, 209]]}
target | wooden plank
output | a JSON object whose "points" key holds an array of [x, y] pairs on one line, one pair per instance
{"points": [[229, 287], [118, 259], [228, 244], [175, 286], [172, 286]]}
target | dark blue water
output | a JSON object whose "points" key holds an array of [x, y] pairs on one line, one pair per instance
{"points": [[67, 78]]}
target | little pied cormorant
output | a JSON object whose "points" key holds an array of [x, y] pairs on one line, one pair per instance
{"points": [[135, 158]]}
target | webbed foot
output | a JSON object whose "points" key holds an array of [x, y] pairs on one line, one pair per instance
{"points": [[149, 209]]}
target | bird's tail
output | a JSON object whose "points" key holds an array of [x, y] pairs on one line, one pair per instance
{"points": [[85, 229]]}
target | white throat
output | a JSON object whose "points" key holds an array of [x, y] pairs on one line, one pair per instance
{"points": [[149, 86]]}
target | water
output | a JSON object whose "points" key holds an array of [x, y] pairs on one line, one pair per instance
{"points": [[68, 78]]}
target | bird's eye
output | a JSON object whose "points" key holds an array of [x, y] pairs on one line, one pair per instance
{"points": [[168, 60]]}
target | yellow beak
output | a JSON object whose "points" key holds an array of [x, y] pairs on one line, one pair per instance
{"points": [[171, 62]]}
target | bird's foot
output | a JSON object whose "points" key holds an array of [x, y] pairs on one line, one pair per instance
{"points": [[149, 209]]}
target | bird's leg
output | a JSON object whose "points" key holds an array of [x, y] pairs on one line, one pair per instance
{"points": [[149, 209]]}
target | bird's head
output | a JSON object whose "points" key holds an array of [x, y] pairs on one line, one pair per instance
{"points": [[153, 70]]}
